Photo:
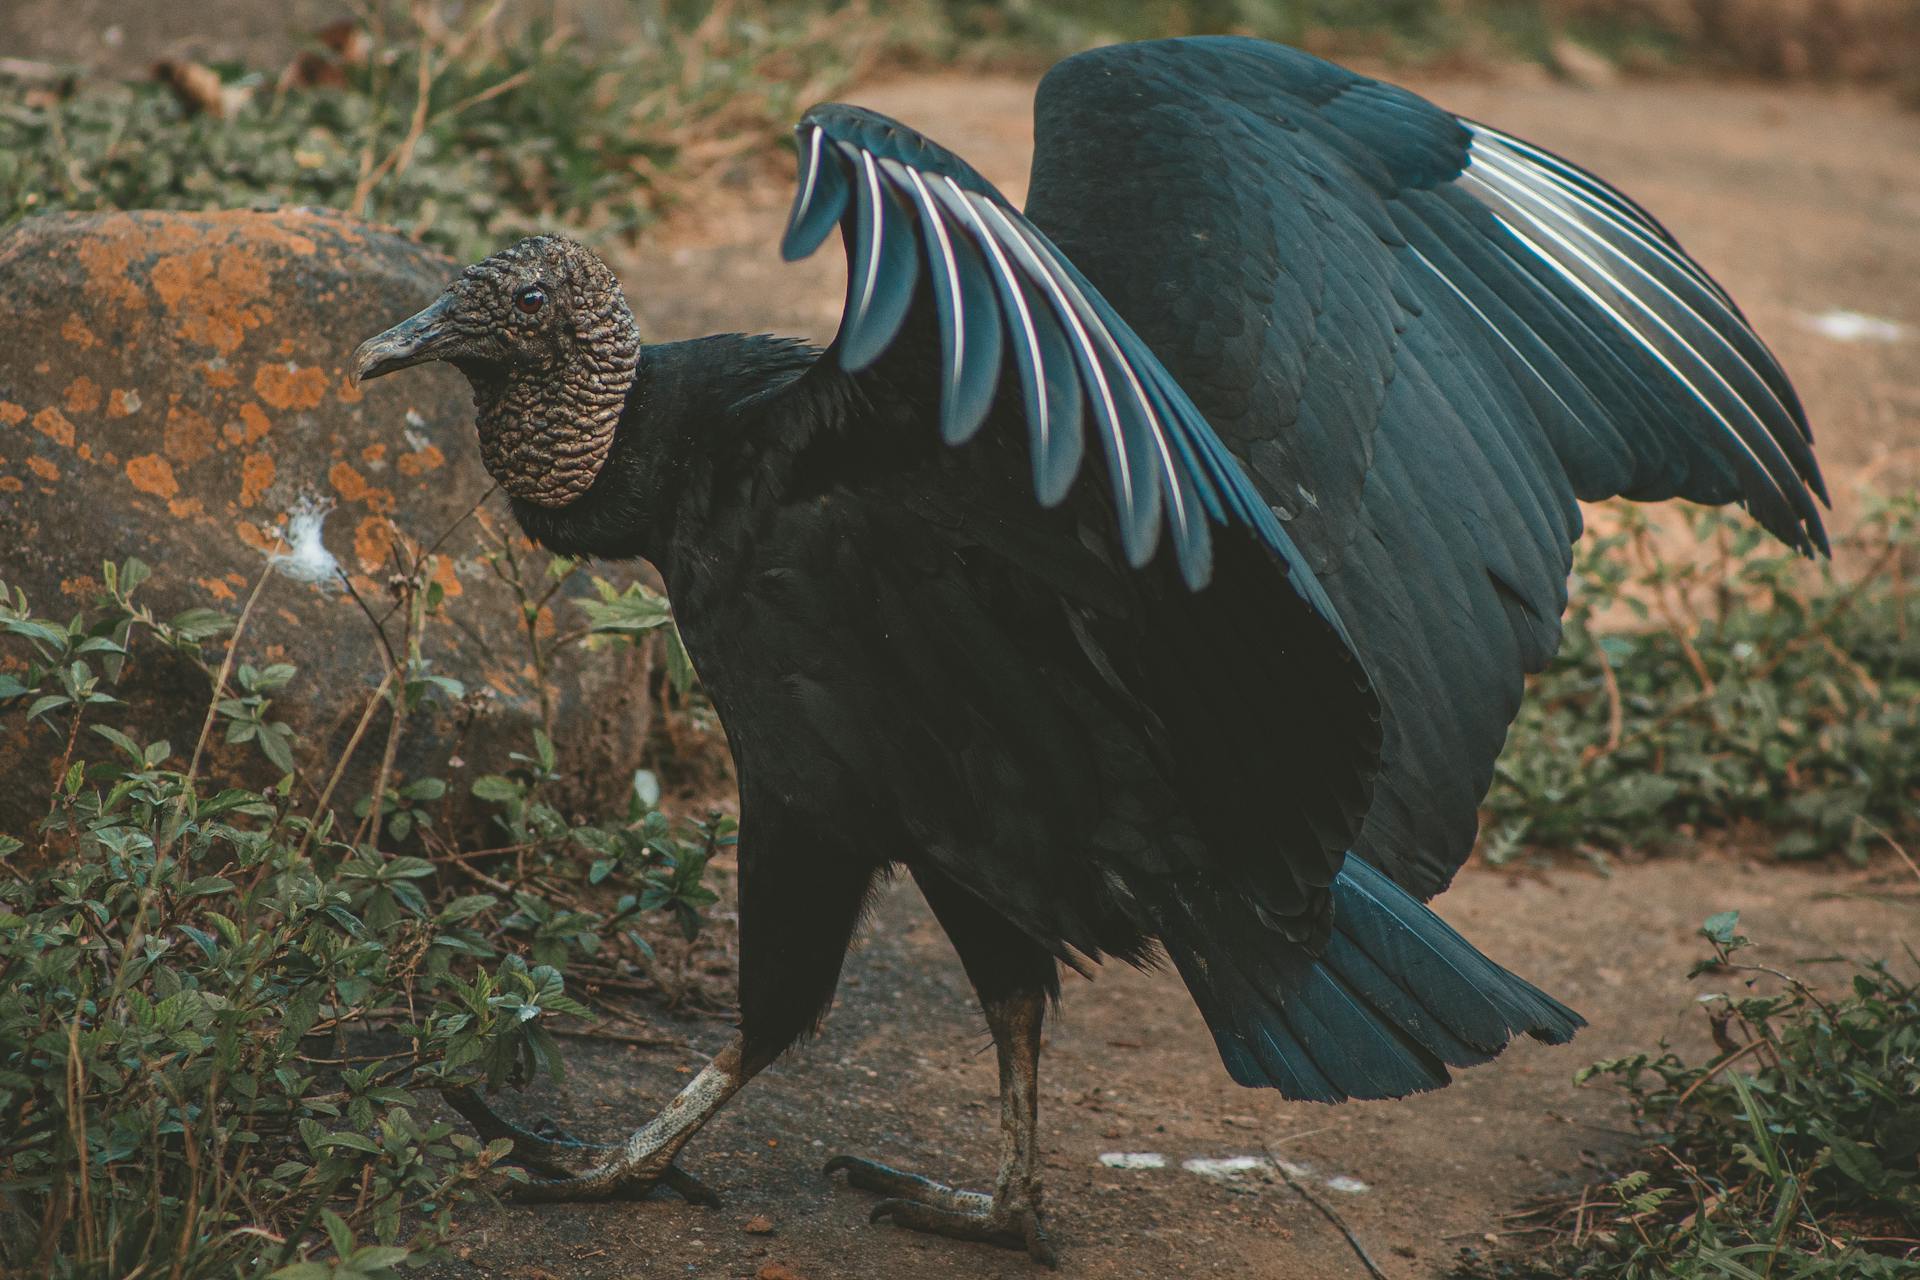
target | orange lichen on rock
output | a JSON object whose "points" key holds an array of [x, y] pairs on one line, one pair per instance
{"points": [[374, 454], [288, 386], [185, 508], [11, 484], [120, 403], [80, 587], [348, 391], [218, 375], [188, 436], [256, 537], [106, 255], [256, 473], [53, 424], [353, 487], [150, 473], [445, 573], [215, 588], [372, 539], [75, 331], [11, 414], [82, 395], [44, 469], [350, 484], [215, 295], [421, 460], [254, 423]]}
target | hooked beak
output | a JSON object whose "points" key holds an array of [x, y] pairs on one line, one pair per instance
{"points": [[415, 340]]}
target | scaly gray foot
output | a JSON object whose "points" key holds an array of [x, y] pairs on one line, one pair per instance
{"points": [[921, 1204]]}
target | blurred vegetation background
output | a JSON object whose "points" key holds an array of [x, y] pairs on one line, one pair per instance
{"points": [[468, 124]]}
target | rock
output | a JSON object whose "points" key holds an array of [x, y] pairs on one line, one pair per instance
{"points": [[758, 1225], [174, 387], [777, 1271]]}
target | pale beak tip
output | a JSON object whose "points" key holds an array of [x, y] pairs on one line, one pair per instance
{"points": [[415, 340]]}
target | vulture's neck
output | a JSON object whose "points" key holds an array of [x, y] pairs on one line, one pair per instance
{"points": [[705, 421]]}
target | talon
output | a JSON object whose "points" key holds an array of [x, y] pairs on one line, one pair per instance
{"points": [[921, 1204], [1039, 1248], [550, 1130], [689, 1188]]}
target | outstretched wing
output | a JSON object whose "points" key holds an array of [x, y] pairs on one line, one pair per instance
{"points": [[1425, 339], [1003, 291], [1202, 774]]}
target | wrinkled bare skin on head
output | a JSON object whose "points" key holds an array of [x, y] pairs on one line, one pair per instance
{"points": [[549, 381]]}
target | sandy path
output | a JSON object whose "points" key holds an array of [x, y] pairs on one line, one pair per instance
{"points": [[900, 1074]]}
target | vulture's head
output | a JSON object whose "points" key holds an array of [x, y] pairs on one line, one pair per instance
{"points": [[545, 337]]}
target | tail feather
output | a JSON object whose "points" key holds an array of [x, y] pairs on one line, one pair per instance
{"points": [[1394, 999]]}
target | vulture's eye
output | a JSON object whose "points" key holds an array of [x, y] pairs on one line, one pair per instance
{"points": [[530, 300]]}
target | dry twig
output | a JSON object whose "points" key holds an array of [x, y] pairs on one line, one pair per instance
{"points": [[1327, 1211]]}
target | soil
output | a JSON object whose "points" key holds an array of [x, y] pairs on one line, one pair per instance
{"points": [[904, 1073], [1804, 204]]}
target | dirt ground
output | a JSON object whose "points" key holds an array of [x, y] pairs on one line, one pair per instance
{"points": [[1806, 205], [904, 1073]]}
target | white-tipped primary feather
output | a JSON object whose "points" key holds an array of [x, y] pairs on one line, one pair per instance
{"points": [[876, 229], [1573, 277], [984, 235], [930, 216], [1037, 268], [1064, 288], [1507, 172]]}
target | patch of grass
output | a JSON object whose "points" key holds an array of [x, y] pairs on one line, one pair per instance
{"points": [[1723, 684], [471, 126], [1792, 1154], [223, 1008], [466, 133]]}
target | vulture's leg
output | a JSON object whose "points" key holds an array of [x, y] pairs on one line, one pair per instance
{"points": [[1014, 977], [798, 911]]}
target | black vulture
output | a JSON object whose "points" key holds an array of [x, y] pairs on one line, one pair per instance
{"points": [[1226, 693]]}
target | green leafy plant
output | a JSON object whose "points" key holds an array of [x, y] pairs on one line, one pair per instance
{"points": [[1793, 1153], [467, 127], [1723, 683], [224, 1009]]}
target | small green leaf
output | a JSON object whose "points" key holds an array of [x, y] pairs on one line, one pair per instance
{"points": [[495, 788], [1720, 927]]}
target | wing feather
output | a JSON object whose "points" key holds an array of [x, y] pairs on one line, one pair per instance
{"points": [[998, 283], [1424, 339]]}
